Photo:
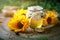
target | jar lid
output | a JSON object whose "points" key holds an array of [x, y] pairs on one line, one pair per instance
{"points": [[35, 8]]}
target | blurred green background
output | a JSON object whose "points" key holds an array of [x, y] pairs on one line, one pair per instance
{"points": [[47, 4]]}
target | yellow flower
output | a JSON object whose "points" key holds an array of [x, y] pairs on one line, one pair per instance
{"points": [[50, 18], [19, 23]]}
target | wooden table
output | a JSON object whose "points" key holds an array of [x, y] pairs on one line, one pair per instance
{"points": [[51, 34]]}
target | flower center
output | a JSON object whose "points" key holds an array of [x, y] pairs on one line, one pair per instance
{"points": [[49, 20], [20, 25]]}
